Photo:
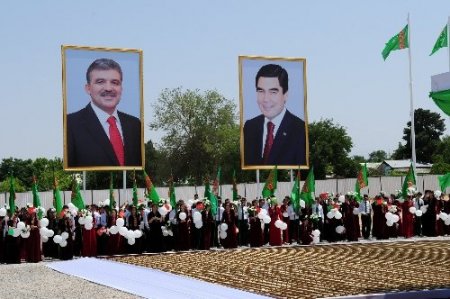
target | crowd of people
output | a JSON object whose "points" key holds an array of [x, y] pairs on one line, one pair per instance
{"points": [[192, 225]]}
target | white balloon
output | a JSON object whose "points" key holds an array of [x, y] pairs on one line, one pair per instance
{"points": [[16, 232], [395, 218], [129, 234], [165, 233], [389, 223], [263, 211], [278, 223], [223, 227], [285, 214], [330, 215], [82, 220], [120, 222], [198, 225], [2, 212], [63, 243], [341, 198], [412, 210], [182, 216], [267, 219], [388, 216], [283, 226], [223, 234], [25, 234], [316, 233], [197, 216], [261, 215], [170, 233], [43, 231], [302, 204], [316, 240], [57, 239], [123, 230], [419, 213], [163, 211], [443, 216], [113, 230], [340, 229], [137, 234], [131, 241], [49, 233], [338, 215], [355, 211], [21, 225], [65, 235], [44, 239], [447, 222], [88, 226], [424, 208], [43, 222], [88, 219]]}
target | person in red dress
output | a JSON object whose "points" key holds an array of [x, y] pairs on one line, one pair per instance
{"points": [[284, 211], [89, 236], [208, 227], [229, 217], [439, 208], [33, 242], [379, 228], [275, 238], [115, 241], [407, 218]]}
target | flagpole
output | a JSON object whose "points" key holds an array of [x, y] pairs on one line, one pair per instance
{"points": [[84, 183], [413, 134], [448, 42], [292, 179], [125, 195]]}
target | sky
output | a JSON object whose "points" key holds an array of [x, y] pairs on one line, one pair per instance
{"points": [[196, 44]]}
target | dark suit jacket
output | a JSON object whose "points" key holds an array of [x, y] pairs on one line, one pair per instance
{"points": [[289, 145], [89, 146]]}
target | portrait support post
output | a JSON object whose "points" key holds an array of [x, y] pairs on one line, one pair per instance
{"points": [[292, 179], [257, 182], [125, 195], [84, 183]]}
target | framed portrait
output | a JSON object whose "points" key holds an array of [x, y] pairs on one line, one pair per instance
{"points": [[273, 112], [103, 114]]}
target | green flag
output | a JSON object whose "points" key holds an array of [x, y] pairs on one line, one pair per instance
{"points": [[12, 195], [309, 186], [361, 182], [172, 196], [444, 181], [216, 183], [135, 192], [295, 193], [441, 42], [271, 183], [397, 42], [36, 198], [151, 190], [235, 191], [57, 201], [76, 197], [410, 181], [211, 197], [442, 100], [112, 200]]}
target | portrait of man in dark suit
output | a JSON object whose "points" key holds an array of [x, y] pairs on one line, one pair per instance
{"points": [[99, 135], [276, 136]]}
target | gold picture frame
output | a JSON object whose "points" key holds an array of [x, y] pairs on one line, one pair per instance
{"points": [[287, 152], [85, 135]]}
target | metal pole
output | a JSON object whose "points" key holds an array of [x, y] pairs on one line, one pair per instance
{"points": [[257, 183], [125, 195], [413, 134], [292, 179], [84, 183]]}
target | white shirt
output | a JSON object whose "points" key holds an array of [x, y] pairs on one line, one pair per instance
{"points": [[418, 203], [240, 212], [317, 209], [365, 207], [276, 121], [291, 212], [219, 215], [103, 118]]}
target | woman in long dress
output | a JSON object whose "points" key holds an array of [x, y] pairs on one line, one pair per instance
{"points": [[33, 242], [275, 238], [229, 217]]}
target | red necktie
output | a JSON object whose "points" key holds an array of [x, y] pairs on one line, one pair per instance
{"points": [[269, 141], [116, 140]]}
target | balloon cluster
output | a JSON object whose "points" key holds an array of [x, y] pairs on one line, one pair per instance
{"points": [[316, 236], [61, 239], [223, 227], [44, 231], [130, 235], [280, 224], [22, 230]]}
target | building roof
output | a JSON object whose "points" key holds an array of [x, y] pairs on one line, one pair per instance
{"points": [[394, 164]]}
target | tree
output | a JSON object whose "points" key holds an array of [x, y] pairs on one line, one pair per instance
{"points": [[201, 133], [429, 127], [378, 156], [329, 149]]}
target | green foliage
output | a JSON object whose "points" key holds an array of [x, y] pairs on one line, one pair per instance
{"points": [[201, 133], [329, 149], [378, 156], [429, 127], [440, 168], [4, 186]]}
